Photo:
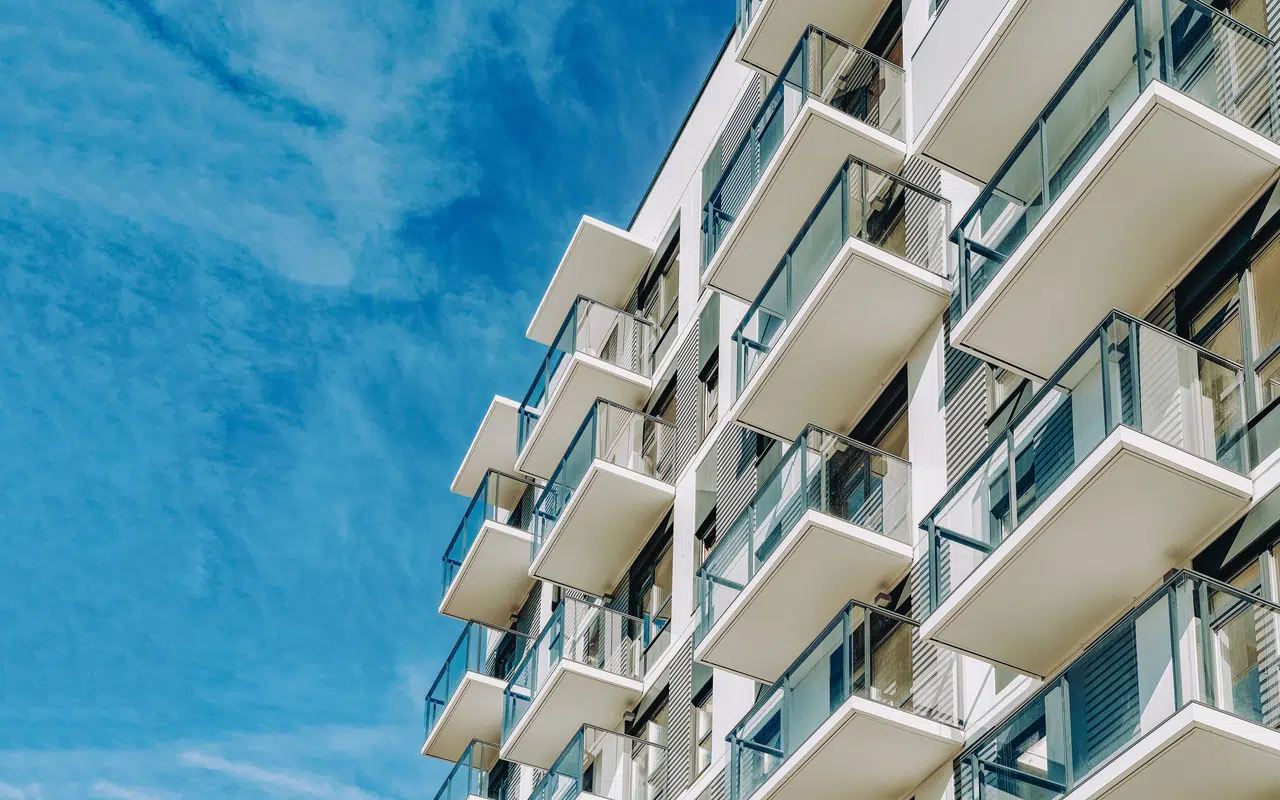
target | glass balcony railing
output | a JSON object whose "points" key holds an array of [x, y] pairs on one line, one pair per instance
{"points": [[616, 435], [1186, 45], [865, 652], [823, 472], [487, 505], [580, 632], [608, 765], [592, 329], [1195, 640], [470, 776], [862, 202], [834, 72], [480, 649], [1126, 373], [655, 636]]}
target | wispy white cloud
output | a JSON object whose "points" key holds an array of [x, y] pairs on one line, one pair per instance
{"points": [[273, 780], [114, 791]]}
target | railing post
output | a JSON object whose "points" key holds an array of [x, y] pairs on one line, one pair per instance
{"points": [[1012, 469], [962, 267], [1140, 49], [862, 177], [935, 566], [846, 631], [1206, 632], [1104, 347], [1045, 196], [867, 670], [1166, 68]]}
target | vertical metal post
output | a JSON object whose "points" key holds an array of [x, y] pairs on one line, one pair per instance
{"points": [[1207, 655], [1104, 362], [1012, 469], [1045, 199], [1167, 68], [862, 177], [846, 646], [1175, 641], [935, 565], [1139, 48], [1068, 756], [962, 256], [1135, 373], [868, 679]]}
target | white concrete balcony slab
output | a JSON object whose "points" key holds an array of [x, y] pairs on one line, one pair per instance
{"points": [[1062, 233], [831, 523], [808, 126], [600, 352], [1124, 466], [867, 708], [985, 68], [493, 448], [590, 525], [865, 279], [466, 700], [768, 29], [582, 670], [603, 263], [1199, 752], [485, 567]]}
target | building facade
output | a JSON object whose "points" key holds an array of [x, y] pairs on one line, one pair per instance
{"points": [[916, 439]]}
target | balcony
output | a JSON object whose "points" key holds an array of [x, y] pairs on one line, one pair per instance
{"points": [[584, 669], [470, 776], [1125, 462], [603, 765], [466, 699], [485, 569], [602, 262], [1175, 701], [868, 705], [768, 29], [865, 278], [493, 448], [599, 352], [985, 69], [609, 492], [1117, 154], [832, 522], [832, 100]]}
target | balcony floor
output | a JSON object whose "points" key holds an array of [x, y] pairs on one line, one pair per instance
{"points": [[473, 712], [609, 518], [493, 581], [1135, 508], [1200, 752], [1093, 251], [575, 695], [885, 752], [821, 564], [816, 145], [585, 379], [778, 25], [845, 342]]}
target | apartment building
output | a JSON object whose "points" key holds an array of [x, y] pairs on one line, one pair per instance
{"points": [[916, 439]]}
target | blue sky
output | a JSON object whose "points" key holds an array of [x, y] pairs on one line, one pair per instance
{"points": [[263, 265]]}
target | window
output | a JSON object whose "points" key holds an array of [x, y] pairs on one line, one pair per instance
{"points": [[702, 731], [1007, 394], [710, 395], [659, 295]]}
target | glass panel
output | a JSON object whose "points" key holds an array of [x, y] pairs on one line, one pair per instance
{"points": [[583, 633], [848, 78], [865, 651], [822, 472], [1126, 373], [473, 652], [500, 498], [1266, 296], [590, 329], [608, 765], [471, 775], [615, 435]]}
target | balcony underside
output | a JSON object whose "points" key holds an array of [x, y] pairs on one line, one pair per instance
{"points": [[779, 24], [1172, 165], [864, 316], [609, 518], [473, 712], [585, 379], [603, 263], [1020, 61], [821, 564], [1200, 752], [1135, 508], [494, 447], [813, 150], [575, 695], [868, 750], [493, 581]]}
